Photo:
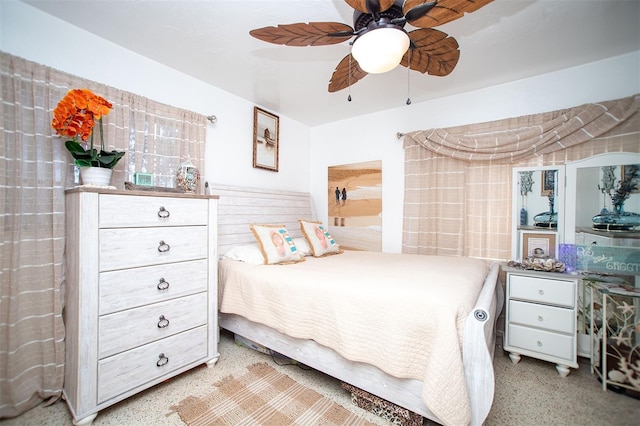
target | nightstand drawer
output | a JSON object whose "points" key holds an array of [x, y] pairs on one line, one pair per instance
{"points": [[123, 372], [132, 247], [543, 342], [135, 327], [151, 284], [118, 211], [550, 291], [542, 316]]}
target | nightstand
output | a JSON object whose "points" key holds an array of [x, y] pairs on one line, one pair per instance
{"points": [[541, 312]]}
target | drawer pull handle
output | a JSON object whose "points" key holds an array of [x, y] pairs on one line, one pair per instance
{"points": [[162, 360], [540, 318], [163, 285], [163, 213], [163, 247], [541, 292], [539, 343], [163, 322]]}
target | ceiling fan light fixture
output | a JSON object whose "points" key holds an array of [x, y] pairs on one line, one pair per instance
{"points": [[380, 49]]}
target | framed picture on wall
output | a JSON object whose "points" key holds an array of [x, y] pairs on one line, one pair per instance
{"points": [[536, 244], [266, 146], [548, 182]]}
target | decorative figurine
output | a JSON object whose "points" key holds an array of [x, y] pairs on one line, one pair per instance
{"points": [[526, 181]]}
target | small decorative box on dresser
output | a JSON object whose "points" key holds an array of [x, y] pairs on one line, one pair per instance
{"points": [[141, 292], [541, 313]]}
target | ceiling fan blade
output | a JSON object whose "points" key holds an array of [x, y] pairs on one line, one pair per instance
{"points": [[431, 51], [444, 11], [419, 11], [345, 75], [370, 6], [301, 34]]}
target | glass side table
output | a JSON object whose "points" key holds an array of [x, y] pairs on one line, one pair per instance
{"points": [[615, 333]]}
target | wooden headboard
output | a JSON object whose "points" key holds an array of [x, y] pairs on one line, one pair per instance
{"points": [[240, 206]]}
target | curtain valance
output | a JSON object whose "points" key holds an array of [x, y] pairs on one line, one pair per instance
{"points": [[523, 137]]}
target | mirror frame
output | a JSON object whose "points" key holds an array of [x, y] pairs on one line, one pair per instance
{"points": [[558, 206]]}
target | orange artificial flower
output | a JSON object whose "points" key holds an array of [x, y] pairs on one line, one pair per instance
{"points": [[75, 117], [76, 114]]}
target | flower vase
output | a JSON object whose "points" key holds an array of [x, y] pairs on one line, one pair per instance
{"points": [[616, 220], [96, 176]]}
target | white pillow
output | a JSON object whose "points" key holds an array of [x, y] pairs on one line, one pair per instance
{"points": [[249, 253], [303, 246]]}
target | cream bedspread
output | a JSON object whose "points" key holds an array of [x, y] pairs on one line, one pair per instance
{"points": [[403, 313]]}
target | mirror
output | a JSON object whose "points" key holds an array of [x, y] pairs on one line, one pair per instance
{"points": [[537, 211], [618, 188], [591, 191], [603, 200]]}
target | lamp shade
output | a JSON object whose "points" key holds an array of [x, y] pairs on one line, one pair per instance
{"points": [[380, 50]]}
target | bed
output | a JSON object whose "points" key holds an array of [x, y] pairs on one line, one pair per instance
{"points": [[424, 353]]}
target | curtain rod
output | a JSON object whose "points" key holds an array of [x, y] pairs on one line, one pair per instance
{"points": [[400, 135], [212, 119]]}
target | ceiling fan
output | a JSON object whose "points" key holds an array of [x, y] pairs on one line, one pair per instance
{"points": [[381, 42]]}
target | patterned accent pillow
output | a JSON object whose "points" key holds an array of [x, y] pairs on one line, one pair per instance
{"points": [[276, 244], [319, 239]]}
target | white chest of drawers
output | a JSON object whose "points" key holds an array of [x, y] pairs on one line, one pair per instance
{"points": [[141, 293], [541, 313]]}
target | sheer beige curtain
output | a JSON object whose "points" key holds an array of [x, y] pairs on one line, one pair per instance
{"points": [[157, 137], [458, 180], [33, 174], [35, 170]]}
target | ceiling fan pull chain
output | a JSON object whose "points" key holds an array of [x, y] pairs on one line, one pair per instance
{"points": [[349, 78], [409, 79]]}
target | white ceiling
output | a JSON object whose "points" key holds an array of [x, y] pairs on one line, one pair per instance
{"points": [[504, 41]]}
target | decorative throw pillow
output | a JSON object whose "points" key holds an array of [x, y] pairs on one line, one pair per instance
{"points": [[319, 239], [276, 244]]}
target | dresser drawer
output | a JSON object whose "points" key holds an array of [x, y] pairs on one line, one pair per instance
{"points": [[543, 342], [123, 372], [544, 290], [132, 247], [118, 211], [151, 284], [548, 317], [134, 327]]}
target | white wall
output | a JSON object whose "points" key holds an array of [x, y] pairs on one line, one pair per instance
{"points": [[372, 137], [306, 153], [34, 35]]}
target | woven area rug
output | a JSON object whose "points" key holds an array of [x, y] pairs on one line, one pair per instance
{"points": [[264, 396]]}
